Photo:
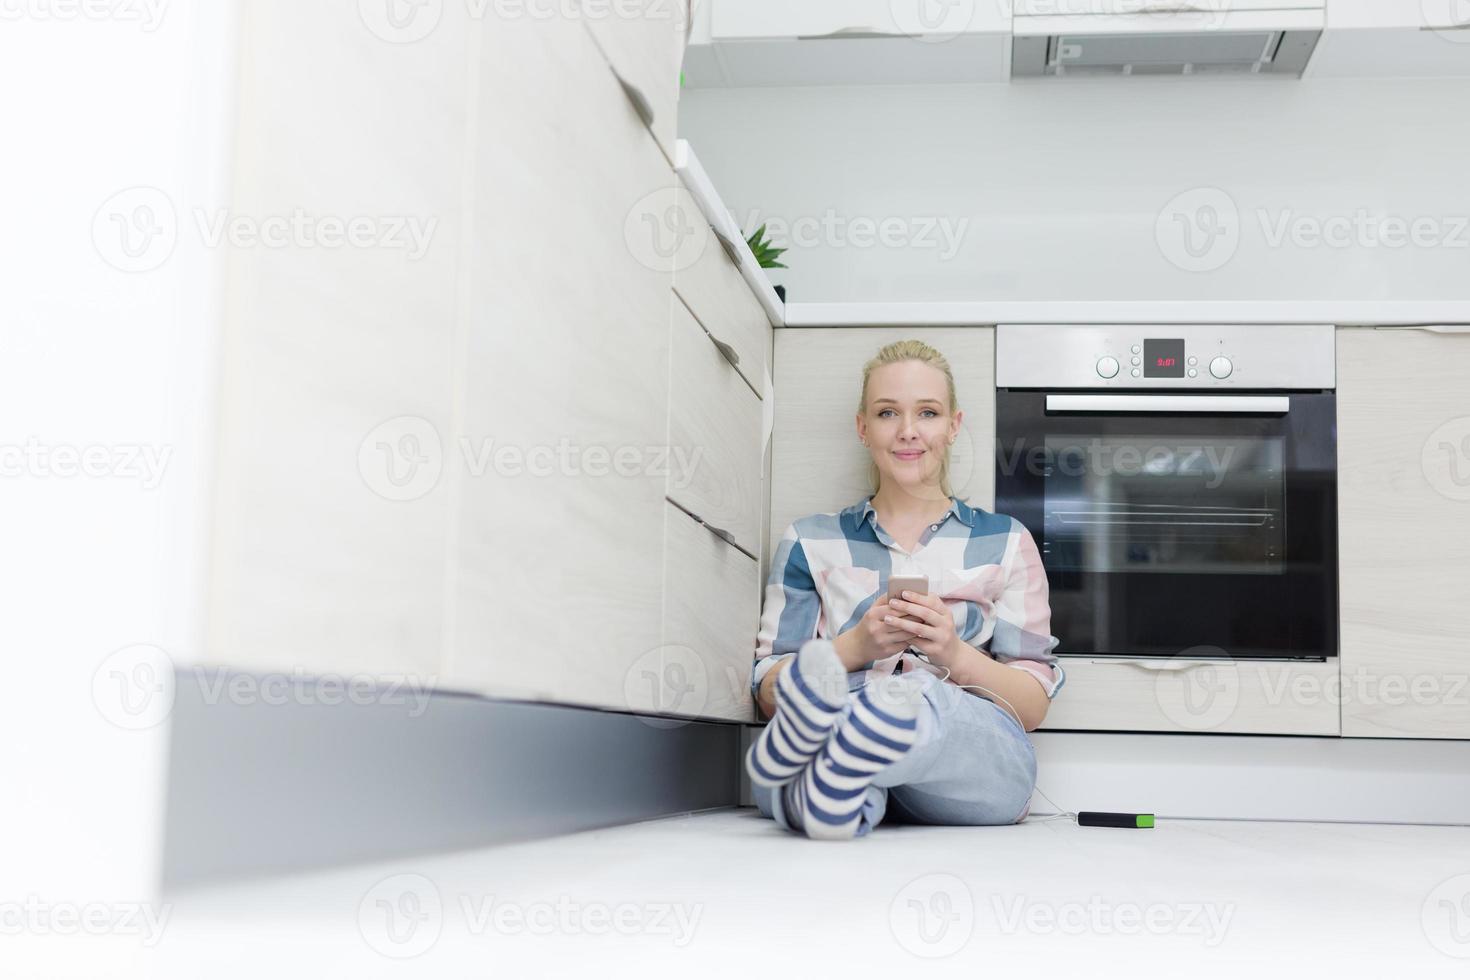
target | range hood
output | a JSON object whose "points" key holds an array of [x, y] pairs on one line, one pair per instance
{"points": [[1062, 38]]}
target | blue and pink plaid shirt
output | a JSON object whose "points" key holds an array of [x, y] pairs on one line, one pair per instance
{"points": [[829, 569]]}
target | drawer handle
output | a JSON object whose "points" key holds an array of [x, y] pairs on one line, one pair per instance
{"points": [[635, 95], [1448, 328], [731, 355], [848, 34], [718, 532], [1162, 664], [731, 252]]}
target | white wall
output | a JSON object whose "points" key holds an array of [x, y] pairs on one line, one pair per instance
{"points": [[1062, 190], [105, 359]]}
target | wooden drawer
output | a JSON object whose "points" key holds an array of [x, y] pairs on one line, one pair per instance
{"points": [[1266, 698], [711, 617], [714, 291], [714, 435], [643, 42]]}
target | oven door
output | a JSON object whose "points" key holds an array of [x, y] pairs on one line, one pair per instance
{"points": [[1169, 524]]}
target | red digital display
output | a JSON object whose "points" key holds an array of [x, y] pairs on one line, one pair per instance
{"points": [[1163, 358]]}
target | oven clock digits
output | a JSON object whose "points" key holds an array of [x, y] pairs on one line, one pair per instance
{"points": [[1163, 358]]}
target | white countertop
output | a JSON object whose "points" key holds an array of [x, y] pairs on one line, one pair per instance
{"points": [[1340, 312]]}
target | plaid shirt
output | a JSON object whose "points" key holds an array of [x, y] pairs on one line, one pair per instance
{"points": [[829, 569]]}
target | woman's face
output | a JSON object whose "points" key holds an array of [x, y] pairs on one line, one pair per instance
{"points": [[907, 425]]}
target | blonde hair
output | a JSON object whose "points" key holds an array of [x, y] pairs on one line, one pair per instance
{"points": [[894, 353]]}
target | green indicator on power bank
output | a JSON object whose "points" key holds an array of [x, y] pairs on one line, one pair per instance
{"points": [[1097, 818]]}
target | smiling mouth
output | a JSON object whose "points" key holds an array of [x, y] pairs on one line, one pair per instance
{"points": [[905, 454]]}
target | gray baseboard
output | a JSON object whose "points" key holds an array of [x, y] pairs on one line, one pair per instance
{"points": [[258, 789]]}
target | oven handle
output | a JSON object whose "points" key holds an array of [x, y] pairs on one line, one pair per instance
{"points": [[1164, 664], [1271, 404]]}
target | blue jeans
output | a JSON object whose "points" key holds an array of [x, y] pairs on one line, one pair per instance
{"points": [[971, 765]]}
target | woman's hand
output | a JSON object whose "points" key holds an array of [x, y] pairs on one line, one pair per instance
{"points": [[872, 638], [931, 631]]}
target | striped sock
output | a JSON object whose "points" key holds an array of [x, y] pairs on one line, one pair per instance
{"points": [[826, 801], [810, 693]]}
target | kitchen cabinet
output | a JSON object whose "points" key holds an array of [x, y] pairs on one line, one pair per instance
{"points": [[559, 565], [330, 514], [818, 464], [1404, 500], [643, 42]]}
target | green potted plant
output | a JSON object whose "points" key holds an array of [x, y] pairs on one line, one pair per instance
{"points": [[766, 255]]}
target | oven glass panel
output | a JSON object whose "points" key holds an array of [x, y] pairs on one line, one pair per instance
{"points": [[1164, 506]]}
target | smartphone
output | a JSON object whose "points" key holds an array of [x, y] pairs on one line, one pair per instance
{"points": [[898, 584]]}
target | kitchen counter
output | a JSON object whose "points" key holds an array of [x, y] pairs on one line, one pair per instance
{"points": [[1340, 312]]}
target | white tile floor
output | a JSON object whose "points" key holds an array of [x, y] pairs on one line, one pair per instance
{"points": [[728, 893]]}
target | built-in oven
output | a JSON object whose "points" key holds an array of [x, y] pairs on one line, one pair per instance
{"points": [[1180, 483]]}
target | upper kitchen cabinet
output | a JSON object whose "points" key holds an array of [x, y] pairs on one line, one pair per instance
{"points": [[829, 42], [1394, 38], [1404, 501], [643, 42]]}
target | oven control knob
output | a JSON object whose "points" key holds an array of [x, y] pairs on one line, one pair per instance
{"points": [[1107, 367], [1221, 367]]}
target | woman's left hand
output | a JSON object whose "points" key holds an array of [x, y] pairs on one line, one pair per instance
{"points": [[934, 634]]}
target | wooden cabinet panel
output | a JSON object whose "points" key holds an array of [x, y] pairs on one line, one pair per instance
{"points": [[1403, 412]]}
